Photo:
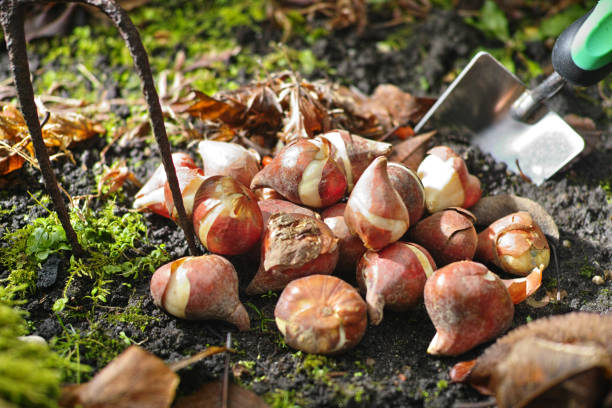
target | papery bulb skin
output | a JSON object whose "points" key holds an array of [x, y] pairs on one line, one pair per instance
{"points": [[305, 173], [200, 288], [267, 194], [351, 247], [293, 246], [228, 159], [274, 206], [151, 196], [448, 235], [468, 305], [447, 181], [375, 211], [226, 216], [514, 243], [409, 186], [354, 153], [394, 277], [321, 314]]}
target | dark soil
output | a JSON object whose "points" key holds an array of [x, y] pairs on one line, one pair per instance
{"points": [[390, 366]]}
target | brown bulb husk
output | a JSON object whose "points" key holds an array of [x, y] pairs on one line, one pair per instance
{"points": [[514, 243], [394, 277], [305, 173], [560, 361], [293, 246], [226, 216], [199, 288], [274, 206], [354, 153], [375, 211], [321, 314], [468, 304], [448, 235]]}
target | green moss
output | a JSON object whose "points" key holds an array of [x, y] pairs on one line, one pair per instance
{"points": [[606, 186], [280, 398], [110, 239], [132, 315], [587, 270], [30, 373]]}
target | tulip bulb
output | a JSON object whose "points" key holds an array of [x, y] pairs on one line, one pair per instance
{"points": [[375, 211], [226, 216], [394, 277], [351, 247], [293, 246], [409, 186], [151, 195], [514, 243], [305, 173], [274, 206], [199, 288], [321, 314], [228, 159], [189, 180], [468, 305], [447, 181], [354, 153], [448, 235]]}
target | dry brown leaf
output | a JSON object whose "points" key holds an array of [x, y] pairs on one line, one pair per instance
{"points": [[116, 176], [306, 116], [209, 108], [62, 130], [135, 379], [411, 151], [491, 208], [559, 361], [209, 396], [394, 107]]}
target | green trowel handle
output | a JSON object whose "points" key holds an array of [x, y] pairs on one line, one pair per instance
{"points": [[583, 52]]}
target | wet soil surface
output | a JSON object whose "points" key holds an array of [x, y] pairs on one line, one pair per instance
{"points": [[390, 366]]}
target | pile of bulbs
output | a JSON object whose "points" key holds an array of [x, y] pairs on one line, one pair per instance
{"points": [[333, 204]]}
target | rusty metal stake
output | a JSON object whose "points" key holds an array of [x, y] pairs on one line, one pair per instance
{"points": [[12, 22], [11, 18]]}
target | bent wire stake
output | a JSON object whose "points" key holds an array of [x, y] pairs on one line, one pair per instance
{"points": [[12, 20]]}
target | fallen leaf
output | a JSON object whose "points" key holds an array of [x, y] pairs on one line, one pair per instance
{"points": [[62, 130], [209, 108], [411, 151], [209, 396], [135, 379], [306, 116], [560, 361], [115, 177], [491, 208]]}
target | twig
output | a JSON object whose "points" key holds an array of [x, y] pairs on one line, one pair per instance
{"points": [[224, 390]]}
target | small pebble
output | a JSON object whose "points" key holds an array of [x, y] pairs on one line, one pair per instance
{"points": [[598, 280], [33, 339], [567, 243]]}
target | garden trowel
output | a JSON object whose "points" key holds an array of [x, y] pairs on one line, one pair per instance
{"points": [[495, 109]]}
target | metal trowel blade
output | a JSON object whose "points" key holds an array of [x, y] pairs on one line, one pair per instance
{"points": [[477, 104]]}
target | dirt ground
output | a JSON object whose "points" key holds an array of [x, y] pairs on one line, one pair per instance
{"points": [[390, 366]]}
